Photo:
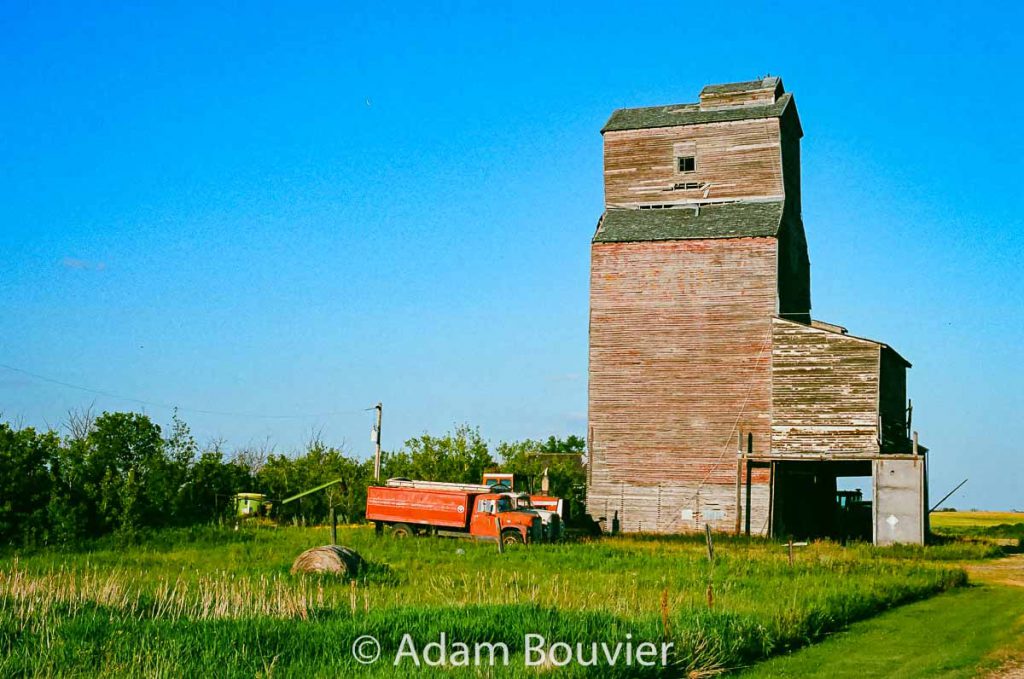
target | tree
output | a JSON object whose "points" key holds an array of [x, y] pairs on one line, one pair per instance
{"points": [[180, 451], [116, 472], [209, 486], [282, 476], [563, 460], [121, 443], [79, 423], [461, 456], [71, 510], [25, 483], [180, 445]]}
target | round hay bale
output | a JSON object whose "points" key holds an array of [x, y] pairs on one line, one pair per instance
{"points": [[328, 559]]}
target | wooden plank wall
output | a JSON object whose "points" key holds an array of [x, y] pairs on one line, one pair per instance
{"points": [[892, 404], [762, 96], [676, 508], [824, 391], [740, 159], [680, 359]]}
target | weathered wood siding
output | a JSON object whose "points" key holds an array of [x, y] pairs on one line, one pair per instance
{"points": [[738, 159], [752, 97], [892, 403], [824, 391], [680, 360]]}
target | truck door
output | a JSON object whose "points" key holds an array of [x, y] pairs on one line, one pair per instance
{"points": [[482, 524]]}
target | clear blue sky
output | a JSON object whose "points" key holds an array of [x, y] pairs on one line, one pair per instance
{"points": [[262, 209]]}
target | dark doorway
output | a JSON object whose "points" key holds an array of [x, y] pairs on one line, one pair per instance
{"points": [[809, 502]]}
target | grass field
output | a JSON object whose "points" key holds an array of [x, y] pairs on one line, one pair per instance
{"points": [[1004, 525], [187, 601], [940, 520], [991, 524]]}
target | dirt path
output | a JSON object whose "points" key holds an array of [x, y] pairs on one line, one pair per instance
{"points": [[1006, 571], [1011, 670]]}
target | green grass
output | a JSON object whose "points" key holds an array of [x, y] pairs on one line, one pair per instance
{"points": [[950, 636], [187, 601]]}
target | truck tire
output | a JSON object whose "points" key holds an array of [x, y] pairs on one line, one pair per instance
{"points": [[510, 538], [556, 529], [402, 530]]}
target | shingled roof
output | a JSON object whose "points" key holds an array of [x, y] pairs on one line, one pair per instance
{"points": [[691, 114], [769, 82], [716, 220]]}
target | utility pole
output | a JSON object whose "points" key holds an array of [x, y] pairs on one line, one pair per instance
{"points": [[376, 440]]}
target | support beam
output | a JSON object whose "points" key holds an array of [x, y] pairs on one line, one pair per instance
{"points": [[750, 451], [739, 481]]}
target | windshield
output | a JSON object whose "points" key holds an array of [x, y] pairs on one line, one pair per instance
{"points": [[523, 502], [504, 504]]}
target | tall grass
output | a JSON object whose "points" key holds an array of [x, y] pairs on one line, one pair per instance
{"points": [[187, 601]]}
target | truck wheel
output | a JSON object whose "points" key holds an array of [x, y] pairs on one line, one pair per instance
{"points": [[511, 537], [401, 530]]}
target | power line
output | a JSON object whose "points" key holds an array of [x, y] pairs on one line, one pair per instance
{"points": [[157, 404]]}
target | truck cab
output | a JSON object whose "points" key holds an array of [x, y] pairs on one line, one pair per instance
{"points": [[493, 509], [554, 527], [506, 482]]}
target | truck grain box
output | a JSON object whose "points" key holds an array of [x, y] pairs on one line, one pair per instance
{"points": [[450, 511]]}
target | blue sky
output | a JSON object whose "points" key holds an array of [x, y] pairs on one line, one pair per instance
{"points": [[288, 210]]}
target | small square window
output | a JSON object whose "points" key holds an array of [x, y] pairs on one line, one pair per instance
{"points": [[686, 164]]}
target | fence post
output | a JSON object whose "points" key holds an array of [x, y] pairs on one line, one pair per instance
{"points": [[334, 526], [501, 546], [711, 546], [750, 453]]}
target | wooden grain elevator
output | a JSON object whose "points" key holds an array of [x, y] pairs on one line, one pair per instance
{"points": [[714, 396]]}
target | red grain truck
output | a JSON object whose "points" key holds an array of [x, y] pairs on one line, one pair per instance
{"points": [[450, 510]]}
